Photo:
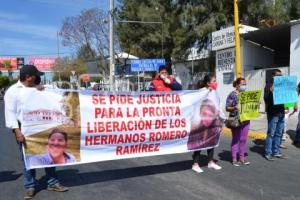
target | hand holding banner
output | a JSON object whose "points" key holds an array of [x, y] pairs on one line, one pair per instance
{"points": [[285, 90]]}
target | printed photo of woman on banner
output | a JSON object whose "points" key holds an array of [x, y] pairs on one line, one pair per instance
{"points": [[205, 133]]}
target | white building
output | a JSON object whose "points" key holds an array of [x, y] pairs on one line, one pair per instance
{"points": [[261, 51], [46, 116]]}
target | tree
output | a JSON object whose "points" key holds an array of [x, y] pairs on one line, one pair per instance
{"points": [[85, 52], [4, 82], [295, 9], [186, 24], [87, 31], [268, 13], [63, 67]]}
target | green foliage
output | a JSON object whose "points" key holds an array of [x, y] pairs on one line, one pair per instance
{"points": [[189, 23], [185, 24], [4, 81], [267, 13]]}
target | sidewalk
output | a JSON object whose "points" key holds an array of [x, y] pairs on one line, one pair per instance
{"points": [[258, 127]]}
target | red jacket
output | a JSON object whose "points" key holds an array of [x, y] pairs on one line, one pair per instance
{"points": [[160, 86]]}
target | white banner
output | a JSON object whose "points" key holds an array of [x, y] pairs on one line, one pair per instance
{"points": [[70, 127]]}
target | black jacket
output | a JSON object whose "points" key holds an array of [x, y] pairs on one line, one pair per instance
{"points": [[272, 109]]}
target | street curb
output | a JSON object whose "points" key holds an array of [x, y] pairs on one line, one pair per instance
{"points": [[251, 134]]}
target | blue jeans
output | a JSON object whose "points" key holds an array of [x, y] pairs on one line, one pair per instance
{"points": [[274, 134], [297, 136], [29, 175]]}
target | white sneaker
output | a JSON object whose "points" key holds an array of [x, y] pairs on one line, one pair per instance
{"points": [[197, 169], [214, 166]]}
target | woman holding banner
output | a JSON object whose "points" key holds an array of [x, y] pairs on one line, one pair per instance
{"points": [[208, 133], [239, 133]]}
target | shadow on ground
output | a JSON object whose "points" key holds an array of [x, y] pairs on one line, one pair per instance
{"points": [[6, 176], [73, 177], [258, 147], [225, 155]]}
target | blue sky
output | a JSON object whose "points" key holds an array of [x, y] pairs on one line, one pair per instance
{"points": [[29, 27]]}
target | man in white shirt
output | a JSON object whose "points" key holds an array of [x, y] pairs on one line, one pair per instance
{"points": [[29, 75]]}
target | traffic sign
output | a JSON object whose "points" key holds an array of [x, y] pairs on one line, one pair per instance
{"points": [[146, 65], [85, 78]]}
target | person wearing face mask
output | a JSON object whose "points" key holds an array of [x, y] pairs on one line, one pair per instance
{"points": [[239, 134], [205, 135], [275, 116], [163, 82]]}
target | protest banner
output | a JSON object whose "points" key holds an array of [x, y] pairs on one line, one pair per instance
{"points": [[285, 90], [249, 105], [72, 127]]}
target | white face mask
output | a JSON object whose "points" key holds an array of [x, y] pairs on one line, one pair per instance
{"points": [[162, 76], [243, 88]]}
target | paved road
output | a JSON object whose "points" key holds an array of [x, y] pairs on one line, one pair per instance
{"points": [[161, 177]]}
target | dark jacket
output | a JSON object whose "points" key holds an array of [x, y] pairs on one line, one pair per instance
{"points": [[272, 109]]}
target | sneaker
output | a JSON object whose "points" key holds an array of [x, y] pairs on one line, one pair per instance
{"points": [[235, 163], [30, 192], [279, 155], [197, 169], [214, 166], [245, 162], [269, 157], [57, 188]]}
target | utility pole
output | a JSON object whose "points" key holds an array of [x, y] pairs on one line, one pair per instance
{"points": [[57, 39], [58, 56], [111, 45], [238, 67]]}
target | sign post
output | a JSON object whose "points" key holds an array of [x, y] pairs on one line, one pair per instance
{"points": [[146, 65]]}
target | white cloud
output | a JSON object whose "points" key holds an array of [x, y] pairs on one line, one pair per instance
{"points": [[42, 31], [12, 16], [15, 46], [19, 46]]}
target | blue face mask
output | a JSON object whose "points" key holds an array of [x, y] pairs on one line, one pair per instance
{"points": [[243, 88]]}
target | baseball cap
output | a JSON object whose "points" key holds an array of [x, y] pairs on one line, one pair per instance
{"points": [[31, 70]]}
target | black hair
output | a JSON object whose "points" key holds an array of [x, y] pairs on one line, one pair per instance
{"points": [[275, 71], [238, 81], [207, 79], [162, 67], [57, 130], [23, 77], [37, 80]]}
